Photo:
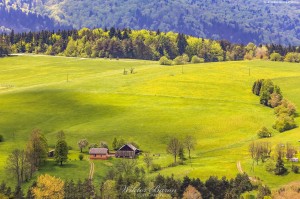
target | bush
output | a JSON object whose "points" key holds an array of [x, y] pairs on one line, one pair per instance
{"points": [[292, 57], [257, 87], [275, 57], [264, 133], [270, 166], [165, 61], [286, 107], [1, 138], [196, 59], [155, 167], [179, 60], [295, 169], [80, 156], [284, 122]]}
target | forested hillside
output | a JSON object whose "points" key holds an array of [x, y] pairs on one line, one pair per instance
{"points": [[24, 21], [238, 21]]}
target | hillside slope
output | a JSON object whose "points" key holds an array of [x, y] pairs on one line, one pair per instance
{"points": [[237, 21]]}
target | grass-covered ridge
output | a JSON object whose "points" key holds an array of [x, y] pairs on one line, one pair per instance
{"points": [[91, 98]]}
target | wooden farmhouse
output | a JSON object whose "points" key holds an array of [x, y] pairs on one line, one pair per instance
{"points": [[127, 151], [99, 153]]}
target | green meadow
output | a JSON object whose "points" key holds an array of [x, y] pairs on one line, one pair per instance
{"points": [[92, 99]]}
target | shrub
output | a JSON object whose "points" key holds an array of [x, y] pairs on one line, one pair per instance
{"points": [[1, 138], [270, 166], [275, 100], [257, 87], [275, 57], [80, 156], [165, 61], [264, 133], [179, 60], [292, 57], [295, 169], [155, 167], [196, 59], [286, 107], [284, 122]]}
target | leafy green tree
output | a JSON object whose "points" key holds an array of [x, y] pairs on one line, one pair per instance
{"points": [[292, 57], [195, 59], [109, 189], [36, 149], [61, 152], [284, 122], [148, 160], [275, 57], [165, 61], [264, 132]]}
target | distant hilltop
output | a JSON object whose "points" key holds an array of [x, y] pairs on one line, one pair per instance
{"points": [[239, 21]]}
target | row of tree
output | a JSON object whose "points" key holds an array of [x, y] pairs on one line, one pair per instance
{"points": [[138, 44], [270, 95]]}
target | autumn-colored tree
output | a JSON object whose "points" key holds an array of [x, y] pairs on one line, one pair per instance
{"points": [[49, 187], [191, 193]]}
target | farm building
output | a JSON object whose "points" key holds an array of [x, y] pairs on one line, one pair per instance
{"points": [[127, 151], [98, 153]]}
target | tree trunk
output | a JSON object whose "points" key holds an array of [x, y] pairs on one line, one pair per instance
{"points": [[80, 150], [190, 154], [175, 158], [60, 163]]}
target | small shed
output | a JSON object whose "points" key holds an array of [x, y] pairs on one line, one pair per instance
{"points": [[127, 151], [51, 153], [98, 153]]}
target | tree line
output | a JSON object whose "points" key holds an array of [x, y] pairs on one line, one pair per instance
{"points": [[270, 95], [21, 164], [141, 44]]}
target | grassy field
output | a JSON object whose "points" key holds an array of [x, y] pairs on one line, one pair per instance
{"points": [[91, 98]]}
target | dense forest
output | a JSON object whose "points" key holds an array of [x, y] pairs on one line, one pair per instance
{"points": [[240, 21], [140, 44], [21, 21]]}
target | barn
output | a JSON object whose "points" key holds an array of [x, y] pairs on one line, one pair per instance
{"points": [[127, 151], [98, 153]]}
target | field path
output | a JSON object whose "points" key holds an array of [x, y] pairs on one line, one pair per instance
{"points": [[239, 167], [92, 169]]}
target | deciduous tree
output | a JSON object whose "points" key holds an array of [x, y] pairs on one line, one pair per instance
{"points": [[49, 187]]}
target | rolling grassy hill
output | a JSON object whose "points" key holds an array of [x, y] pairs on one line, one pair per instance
{"points": [[91, 98]]}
